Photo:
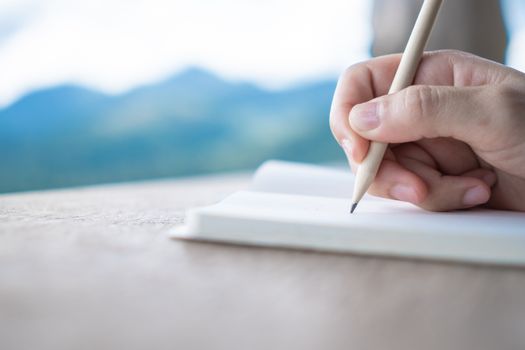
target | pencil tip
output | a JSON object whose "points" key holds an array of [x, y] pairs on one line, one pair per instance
{"points": [[353, 208]]}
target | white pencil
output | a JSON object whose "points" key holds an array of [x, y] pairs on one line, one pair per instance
{"points": [[404, 76]]}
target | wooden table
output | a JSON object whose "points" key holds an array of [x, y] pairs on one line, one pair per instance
{"points": [[92, 268]]}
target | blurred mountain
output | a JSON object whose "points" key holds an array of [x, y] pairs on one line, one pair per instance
{"points": [[189, 124]]}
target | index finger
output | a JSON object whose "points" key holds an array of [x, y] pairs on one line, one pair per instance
{"points": [[358, 84]]}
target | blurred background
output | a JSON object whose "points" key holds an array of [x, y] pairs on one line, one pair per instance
{"points": [[111, 90]]}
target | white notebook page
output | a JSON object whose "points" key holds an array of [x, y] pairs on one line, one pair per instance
{"points": [[308, 207]]}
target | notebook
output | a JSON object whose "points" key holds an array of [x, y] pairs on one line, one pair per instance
{"points": [[307, 207]]}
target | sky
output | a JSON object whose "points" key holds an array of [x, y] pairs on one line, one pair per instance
{"points": [[115, 45]]}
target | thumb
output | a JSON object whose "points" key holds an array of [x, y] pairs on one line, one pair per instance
{"points": [[422, 111]]}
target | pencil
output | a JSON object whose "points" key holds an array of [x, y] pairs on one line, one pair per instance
{"points": [[404, 76]]}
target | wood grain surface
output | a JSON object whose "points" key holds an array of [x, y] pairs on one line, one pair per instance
{"points": [[92, 268]]}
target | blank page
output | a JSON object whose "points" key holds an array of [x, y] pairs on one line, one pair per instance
{"points": [[304, 206], [285, 177], [381, 227]]}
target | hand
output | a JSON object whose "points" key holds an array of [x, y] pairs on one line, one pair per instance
{"points": [[457, 137]]}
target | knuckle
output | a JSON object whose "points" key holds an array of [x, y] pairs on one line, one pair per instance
{"points": [[353, 74], [352, 70], [512, 100], [510, 107], [454, 53], [420, 105], [419, 100]]}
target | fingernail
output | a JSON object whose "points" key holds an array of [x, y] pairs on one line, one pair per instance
{"points": [[364, 117], [404, 193], [347, 147], [475, 195]]}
